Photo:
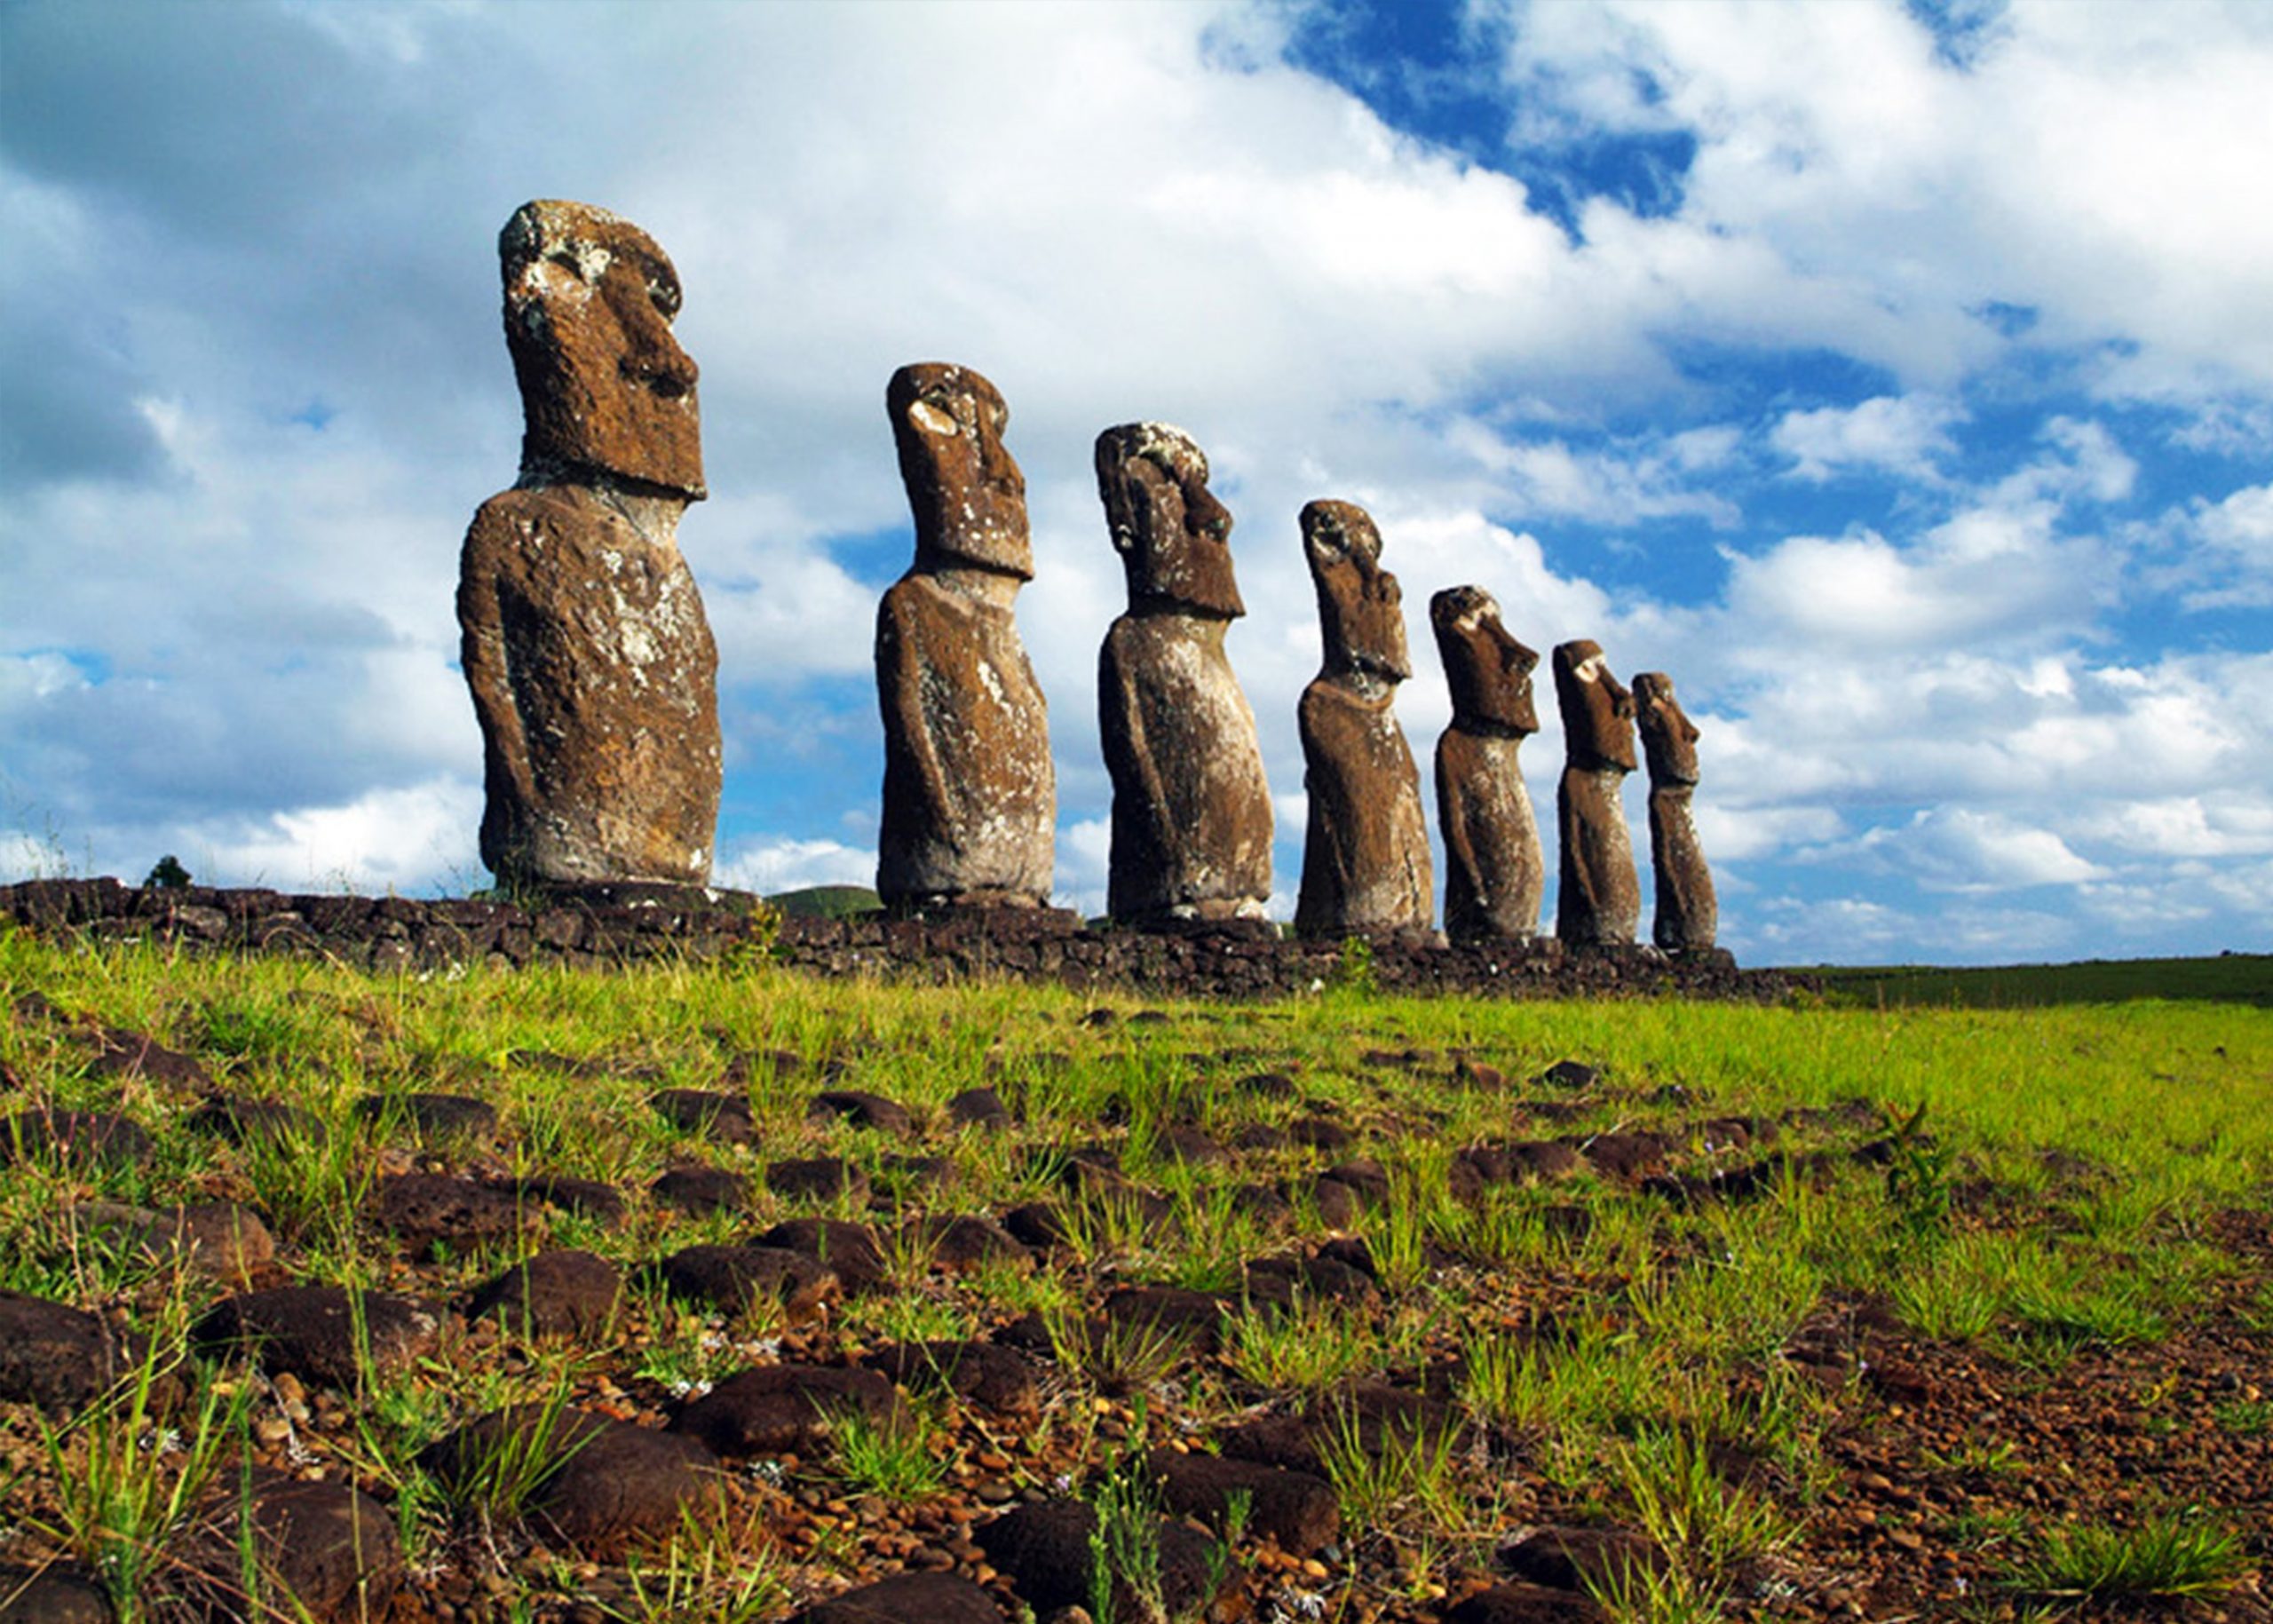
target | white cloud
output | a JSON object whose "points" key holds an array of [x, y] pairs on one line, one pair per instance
{"points": [[767, 864], [1904, 435]]}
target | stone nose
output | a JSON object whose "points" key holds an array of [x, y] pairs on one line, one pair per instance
{"points": [[1203, 515]]}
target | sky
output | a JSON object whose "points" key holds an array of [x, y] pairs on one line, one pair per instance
{"points": [[1897, 378]]}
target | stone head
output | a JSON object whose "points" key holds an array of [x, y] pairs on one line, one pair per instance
{"points": [[604, 387], [1597, 711], [1359, 608], [1668, 733], [1173, 536], [968, 496], [1489, 672]]}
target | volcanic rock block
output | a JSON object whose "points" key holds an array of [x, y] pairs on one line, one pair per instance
{"points": [[1598, 902], [58, 1357], [971, 796], [1495, 875], [1687, 915], [773, 1409], [564, 1292], [591, 664], [907, 1598], [1192, 819], [1045, 1547], [1365, 863], [322, 1552], [321, 1332], [601, 1484]]}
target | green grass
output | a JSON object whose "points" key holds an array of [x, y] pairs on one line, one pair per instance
{"points": [[2053, 1197], [2239, 977], [2166, 1555]]}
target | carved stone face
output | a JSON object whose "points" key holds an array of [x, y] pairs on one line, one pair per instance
{"points": [[1359, 608], [605, 386], [1173, 536], [1597, 711], [1488, 670], [1668, 733], [968, 496]]}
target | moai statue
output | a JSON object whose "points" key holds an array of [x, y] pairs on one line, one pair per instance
{"points": [[1496, 876], [970, 798], [1598, 902], [1191, 820], [1366, 864], [593, 671], [1687, 915]]}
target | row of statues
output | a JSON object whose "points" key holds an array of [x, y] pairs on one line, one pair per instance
{"points": [[593, 670]]}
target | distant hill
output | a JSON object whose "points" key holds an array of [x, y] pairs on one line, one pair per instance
{"points": [[827, 901], [2231, 978]]}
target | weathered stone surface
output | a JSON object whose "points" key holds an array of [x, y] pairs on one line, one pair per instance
{"points": [[1366, 864], [1525, 1604], [847, 1250], [774, 1409], [430, 1211], [75, 1138], [1191, 819], [323, 1553], [971, 796], [58, 1357], [1044, 1547], [906, 1599], [432, 1116], [563, 1293], [816, 1178], [319, 1332], [1496, 874], [993, 1374], [583, 640], [723, 1117], [220, 1239], [701, 1190], [1598, 900], [861, 1109], [731, 1278], [63, 1593], [602, 1484], [1590, 1559], [1688, 916], [1300, 1511]]}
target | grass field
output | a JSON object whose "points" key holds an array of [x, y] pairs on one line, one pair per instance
{"points": [[1877, 1307], [2234, 977]]}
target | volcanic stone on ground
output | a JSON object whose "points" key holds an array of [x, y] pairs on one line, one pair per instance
{"points": [[725, 1118], [702, 1191], [817, 1178], [317, 1332], [1571, 1074], [1589, 1559], [847, 1249], [1044, 1547], [781, 1409], [219, 1238], [1525, 1604], [267, 1121], [1193, 1318], [134, 1054], [63, 1593], [589, 1198], [907, 1598], [325, 1552], [601, 1484], [992, 1375], [958, 1243], [730, 1278], [58, 1357], [565, 1293], [861, 1110], [427, 1211], [432, 1116], [75, 1138], [1633, 1154], [1280, 1281], [1300, 1511], [980, 1108]]}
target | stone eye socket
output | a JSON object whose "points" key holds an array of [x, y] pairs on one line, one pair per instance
{"points": [[933, 418]]}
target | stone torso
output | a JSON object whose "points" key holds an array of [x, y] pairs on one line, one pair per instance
{"points": [[1366, 864], [1191, 819], [1598, 900], [593, 674], [970, 798], [1687, 915], [1495, 874]]}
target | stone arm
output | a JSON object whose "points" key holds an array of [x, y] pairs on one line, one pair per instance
{"points": [[1451, 812], [482, 654], [899, 689], [1127, 749]]}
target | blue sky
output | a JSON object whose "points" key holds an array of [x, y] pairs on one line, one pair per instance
{"points": [[1898, 378]]}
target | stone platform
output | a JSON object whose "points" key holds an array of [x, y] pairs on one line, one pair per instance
{"points": [[605, 929]]}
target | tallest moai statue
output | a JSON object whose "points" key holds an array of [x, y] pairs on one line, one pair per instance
{"points": [[593, 671]]}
